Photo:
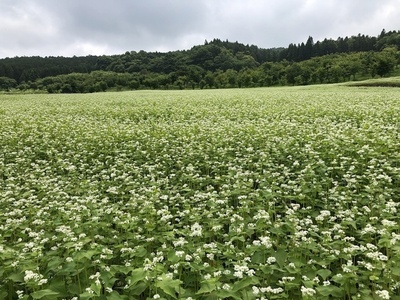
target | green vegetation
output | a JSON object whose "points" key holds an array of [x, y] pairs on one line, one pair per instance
{"points": [[216, 64], [382, 82], [279, 193]]}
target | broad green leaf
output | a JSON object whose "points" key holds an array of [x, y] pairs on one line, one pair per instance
{"points": [[245, 282], [330, 290], [3, 294], [120, 269], [172, 257], [169, 286], [138, 288], [207, 287], [44, 293], [259, 257], [140, 252], [85, 254], [280, 256], [366, 294], [137, 275], [54, 263], [115, 296], [223, 294], [86, 296], [396, 271], [16, 277], [324, 273], [339, 279]]}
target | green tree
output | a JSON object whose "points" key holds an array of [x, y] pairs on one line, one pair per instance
{"points": [[7, 83], [386, 61], [292, 72]]}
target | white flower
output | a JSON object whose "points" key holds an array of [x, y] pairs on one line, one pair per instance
{"points": [[388, 223], [20, 294], [272, 290], [180, 242], [32, 276], [266, 241], [217, 273], [322, 215], [179, 253], [307, 291], [256, 290], [383, 294], [238, 274], [196, 230], [271, 260]]}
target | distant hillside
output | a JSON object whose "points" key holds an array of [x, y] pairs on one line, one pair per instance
{"points": [[215, 64]]}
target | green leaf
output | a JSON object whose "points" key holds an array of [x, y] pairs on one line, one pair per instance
{"points": [[353, 224], [324, 273], [85, 254], [115, 296], [137, 275], [237, 238], [330, 290], [140, 251], [396, 271], [3, 294], [44, 293], [138, 288], [54, 263], [228, 294], [172, 257], [280, 256], [258, 257], [245, 282], [169, 286], [86, 296], [366, 294], [58, 285], [339, 279], [120, 269], [16, 277], [207, 287]]}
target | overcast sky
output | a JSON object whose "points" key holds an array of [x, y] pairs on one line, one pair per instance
{"points": [[82, 27]]}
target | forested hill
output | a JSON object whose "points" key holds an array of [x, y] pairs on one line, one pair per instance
{"points": [[216, 64]]}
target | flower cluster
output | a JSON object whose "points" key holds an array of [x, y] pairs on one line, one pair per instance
{"points": [[254, 194]]}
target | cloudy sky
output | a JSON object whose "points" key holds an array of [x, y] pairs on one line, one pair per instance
{"points": [[82, 27]]}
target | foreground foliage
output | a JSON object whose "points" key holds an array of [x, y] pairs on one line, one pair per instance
{"points": [[237, 194]]}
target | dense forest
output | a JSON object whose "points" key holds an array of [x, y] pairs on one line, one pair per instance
{"points": [[215, 64]]}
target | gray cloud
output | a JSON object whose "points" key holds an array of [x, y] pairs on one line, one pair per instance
{"points": [[81, 27]]}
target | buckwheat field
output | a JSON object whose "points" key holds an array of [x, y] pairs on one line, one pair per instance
{"points": [[278, 193]]}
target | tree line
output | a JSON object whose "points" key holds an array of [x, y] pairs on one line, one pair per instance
{"points": [[216, 64]]}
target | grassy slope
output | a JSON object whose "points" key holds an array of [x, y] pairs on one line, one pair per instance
{"points": [[380, 82]]}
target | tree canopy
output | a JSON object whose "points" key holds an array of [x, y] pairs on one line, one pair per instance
{"points": [[215, 64]]}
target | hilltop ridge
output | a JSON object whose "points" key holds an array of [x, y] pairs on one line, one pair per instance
{"points": [[215, 64]]}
